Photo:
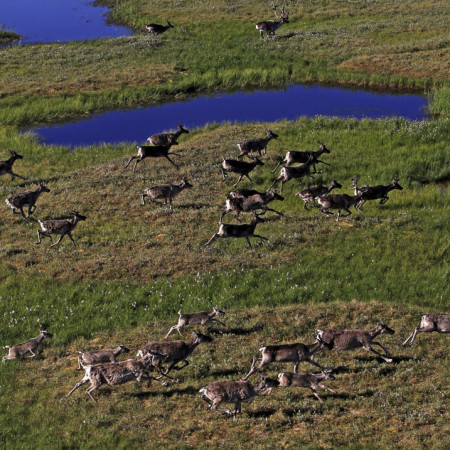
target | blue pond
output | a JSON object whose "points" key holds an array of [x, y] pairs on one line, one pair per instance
{"points": [[290, 103], [57, 20]]}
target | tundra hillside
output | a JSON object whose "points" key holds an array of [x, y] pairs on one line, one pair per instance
{"points": [[134, 267]]}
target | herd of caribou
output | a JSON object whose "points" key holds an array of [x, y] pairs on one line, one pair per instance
{"points": [[102, 367]]}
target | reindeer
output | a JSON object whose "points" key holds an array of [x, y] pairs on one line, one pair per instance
{"points": [[374, 192], [175, 352], [61, 227], [351, 339], [429, 323], [307, 380], [256, 145], [101, 356], [201, 318], [339, 202], [310, 194], [288, 173], [271, 26], [167, 138], [117, 373], [149, 151], [235, 392], [30, 346], [6, 166], [241, 167], [251, 203], [26, 198], [238, 231], [293, 157], [295, 353], [154, 28], [165, 191]]}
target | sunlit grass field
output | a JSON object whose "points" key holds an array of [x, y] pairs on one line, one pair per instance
{"points": [[135, 266]]}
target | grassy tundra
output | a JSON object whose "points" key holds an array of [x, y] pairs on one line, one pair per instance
{"points": [[135, 266]]}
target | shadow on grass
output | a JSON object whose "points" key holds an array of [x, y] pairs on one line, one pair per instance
{"points": [[225, 372], [163, 393], [261, 413]]}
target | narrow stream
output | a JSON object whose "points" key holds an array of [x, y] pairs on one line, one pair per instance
{"points": [[268, 106]]}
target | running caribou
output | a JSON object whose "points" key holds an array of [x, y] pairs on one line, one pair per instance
{"points": [[61, 227], [352, 339], [429, 323], [240, 167], [6, 166], [295, 353], [254, 202], [339, 202], [152, 151], [155, 28], [175, 352], [167, 138], [235, 392], [201, 318], [27, 198], [30, 346], [293, 157], [288, 173], [256, 145], [309, 195], [117, 373], [374, 192], [238, 231], [101, 356], [165, 191], [307, 380]]}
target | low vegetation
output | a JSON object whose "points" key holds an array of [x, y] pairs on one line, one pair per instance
{"points": [[135, 266], [401, 404]]}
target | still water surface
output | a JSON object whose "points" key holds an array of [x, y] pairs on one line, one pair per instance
{"points": [[57, 20], [267, 106]]}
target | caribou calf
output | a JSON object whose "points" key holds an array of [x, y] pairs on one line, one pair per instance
{"points": [[117, 373], [238, 231], [235, 392], [30, 346], [307, 380], [101, 356], [295, 353], [352, 339], [165, 191], [154, 28], [429, 323], [201, 318], [6, 166], [26, 198]]}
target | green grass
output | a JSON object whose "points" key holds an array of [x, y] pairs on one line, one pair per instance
{"points": [[402, 404], [134, 267], [221, 50]]}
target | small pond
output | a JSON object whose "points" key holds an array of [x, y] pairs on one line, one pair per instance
{"points": [[57, 20], [268, 106]]}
